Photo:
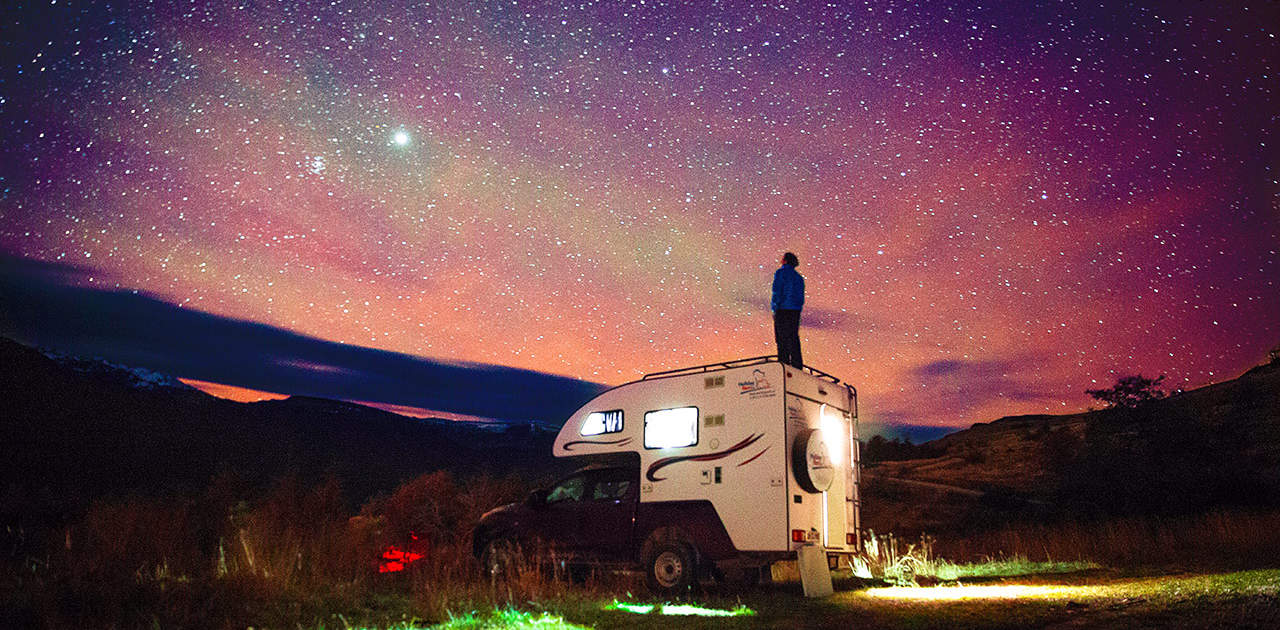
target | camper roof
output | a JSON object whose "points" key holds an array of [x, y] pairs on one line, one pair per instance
{"points": [[725, 365]]}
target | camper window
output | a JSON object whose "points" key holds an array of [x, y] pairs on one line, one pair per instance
{"points": [[598, 422], [671, 428]]}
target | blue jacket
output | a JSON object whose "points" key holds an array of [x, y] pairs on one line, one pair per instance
{"points": [[788, 289]]}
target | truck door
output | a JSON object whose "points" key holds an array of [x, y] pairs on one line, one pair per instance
{"points": [[557, 520], [608, 513]]}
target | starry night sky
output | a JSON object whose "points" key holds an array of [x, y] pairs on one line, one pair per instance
{"points": [[995, 207]]}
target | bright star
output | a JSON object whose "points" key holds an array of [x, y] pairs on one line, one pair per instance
{"points": [[401, 138]]}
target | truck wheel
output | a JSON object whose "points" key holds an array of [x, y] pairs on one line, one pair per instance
{"points": [[499, 558], [670, 567]]}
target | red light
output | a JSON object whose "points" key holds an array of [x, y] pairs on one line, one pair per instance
{"points": [[395, 559], [848, 539], [797, 535]]}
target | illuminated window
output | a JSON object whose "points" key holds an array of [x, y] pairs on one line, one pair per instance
{"points": [[671, 428], [598, 422]]}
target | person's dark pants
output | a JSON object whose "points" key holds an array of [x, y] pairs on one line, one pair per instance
{"points": [[786, 330]]}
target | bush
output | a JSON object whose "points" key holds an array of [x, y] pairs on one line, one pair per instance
{"points": [[1130, 392]]}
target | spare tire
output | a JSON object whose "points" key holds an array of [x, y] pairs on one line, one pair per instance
{"points": [[811, 461]]}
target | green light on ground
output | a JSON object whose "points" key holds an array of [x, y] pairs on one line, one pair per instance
{"points": [[687, 610], [507, 619], [639, 609]]}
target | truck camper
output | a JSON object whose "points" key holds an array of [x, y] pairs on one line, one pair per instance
{"points": [[714, 468]]}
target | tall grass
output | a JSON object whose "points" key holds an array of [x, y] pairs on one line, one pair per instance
{"points": [[297, 554], [915, 562], [293, 553], [1218, 540]]}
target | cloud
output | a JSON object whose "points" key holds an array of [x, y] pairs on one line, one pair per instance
{"points": [[961, 387], [940, 368], [48, 305]]}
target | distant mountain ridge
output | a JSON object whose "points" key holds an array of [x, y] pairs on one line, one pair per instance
{"points": [[136, 376], [73, 430], [1217, 446]]}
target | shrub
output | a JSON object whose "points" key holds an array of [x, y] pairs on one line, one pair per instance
{"points": [[1130, 392]]}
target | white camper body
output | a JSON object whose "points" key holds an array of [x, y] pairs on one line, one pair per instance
{"points": [[772, 448]]}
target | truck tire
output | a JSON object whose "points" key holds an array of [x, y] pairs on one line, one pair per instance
{"points": [[670, 567]]}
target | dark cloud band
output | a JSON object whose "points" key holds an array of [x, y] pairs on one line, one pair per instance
{"points": [[47, 305]]}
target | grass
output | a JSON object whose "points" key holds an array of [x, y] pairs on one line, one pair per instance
{"points": [[1007, 567], [914, 563], [1216, 541], [1242, 599], [1090, 599], [298, 558], [508, 619]]}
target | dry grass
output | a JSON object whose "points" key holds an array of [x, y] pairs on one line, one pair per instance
{"points": [[1219, 540], [915, 562], [1216, 541], [295, 555]]}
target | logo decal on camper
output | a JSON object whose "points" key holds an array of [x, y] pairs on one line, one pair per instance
{"points": [[757, 387], [663, 463], [568, 446]]}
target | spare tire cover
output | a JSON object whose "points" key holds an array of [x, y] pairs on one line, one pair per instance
{"points": [[811, 461]]}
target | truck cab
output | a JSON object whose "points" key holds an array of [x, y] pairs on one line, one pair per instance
{"points": [[587, 516], [735, 464]]}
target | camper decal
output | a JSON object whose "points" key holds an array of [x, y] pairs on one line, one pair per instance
{"points": [[753, 458], [568, 446], [757, 387], [663, 463]]}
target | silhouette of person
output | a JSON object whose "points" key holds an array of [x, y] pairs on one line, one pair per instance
{"points": [[788, 299]]}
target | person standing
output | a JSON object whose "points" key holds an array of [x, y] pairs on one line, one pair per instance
{"points": [[788, 300]]}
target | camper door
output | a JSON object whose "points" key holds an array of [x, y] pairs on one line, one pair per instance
{"points": [[819, 465]]}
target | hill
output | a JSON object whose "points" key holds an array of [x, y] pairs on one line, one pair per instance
{"points": [[74, 430], [1213, 447]]}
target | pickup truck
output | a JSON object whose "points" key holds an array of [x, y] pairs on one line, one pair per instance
{"points": [[594, 517]]}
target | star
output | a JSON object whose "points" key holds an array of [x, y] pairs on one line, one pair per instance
{"points": [[401, 138]]}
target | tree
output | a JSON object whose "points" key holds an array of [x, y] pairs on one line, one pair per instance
{"points": [[1130, 392]]}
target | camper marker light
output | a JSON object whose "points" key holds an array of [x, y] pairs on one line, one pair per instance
{"points": [[797, 535]]}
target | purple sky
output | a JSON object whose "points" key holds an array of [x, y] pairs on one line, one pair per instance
{"points": [[994, 207]]}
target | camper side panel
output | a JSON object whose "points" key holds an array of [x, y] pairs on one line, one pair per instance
{"points": [[734, 455], [739, 462]]}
